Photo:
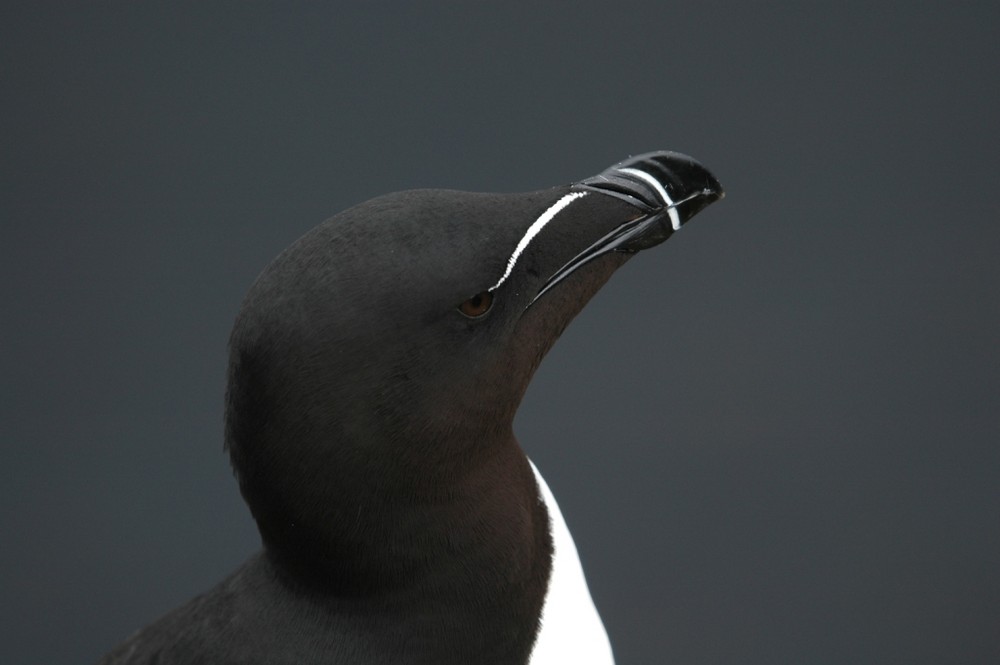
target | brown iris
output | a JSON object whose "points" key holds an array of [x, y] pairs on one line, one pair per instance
{"points": [[477, 305]]}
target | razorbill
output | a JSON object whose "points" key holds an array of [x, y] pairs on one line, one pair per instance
{"points": [[375, 369]]}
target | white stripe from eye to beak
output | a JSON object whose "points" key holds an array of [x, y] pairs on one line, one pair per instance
{"points": [[675, 219], [533, 230]]}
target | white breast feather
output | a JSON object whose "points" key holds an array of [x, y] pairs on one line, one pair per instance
{"points": [[572, 632]]}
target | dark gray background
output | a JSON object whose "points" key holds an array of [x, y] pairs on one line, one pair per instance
{"points": [[775, 438]]}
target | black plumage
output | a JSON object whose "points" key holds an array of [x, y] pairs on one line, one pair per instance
{"points": [[375, 369]]}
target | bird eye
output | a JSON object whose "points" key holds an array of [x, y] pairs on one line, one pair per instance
{"points": [[477, 305]]}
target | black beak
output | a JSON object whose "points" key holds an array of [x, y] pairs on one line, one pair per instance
{"points": [[666, 188]]}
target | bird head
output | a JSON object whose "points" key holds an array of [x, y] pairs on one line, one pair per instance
{"points": [[390, 346]]}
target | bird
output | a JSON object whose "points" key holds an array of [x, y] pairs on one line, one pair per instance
{"points": [[375, 368]]}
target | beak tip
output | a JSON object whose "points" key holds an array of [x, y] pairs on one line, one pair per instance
{"points": [[658, 179]]}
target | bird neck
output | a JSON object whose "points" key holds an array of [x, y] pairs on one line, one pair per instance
{"points": [[475, 551], [412, 527]]}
